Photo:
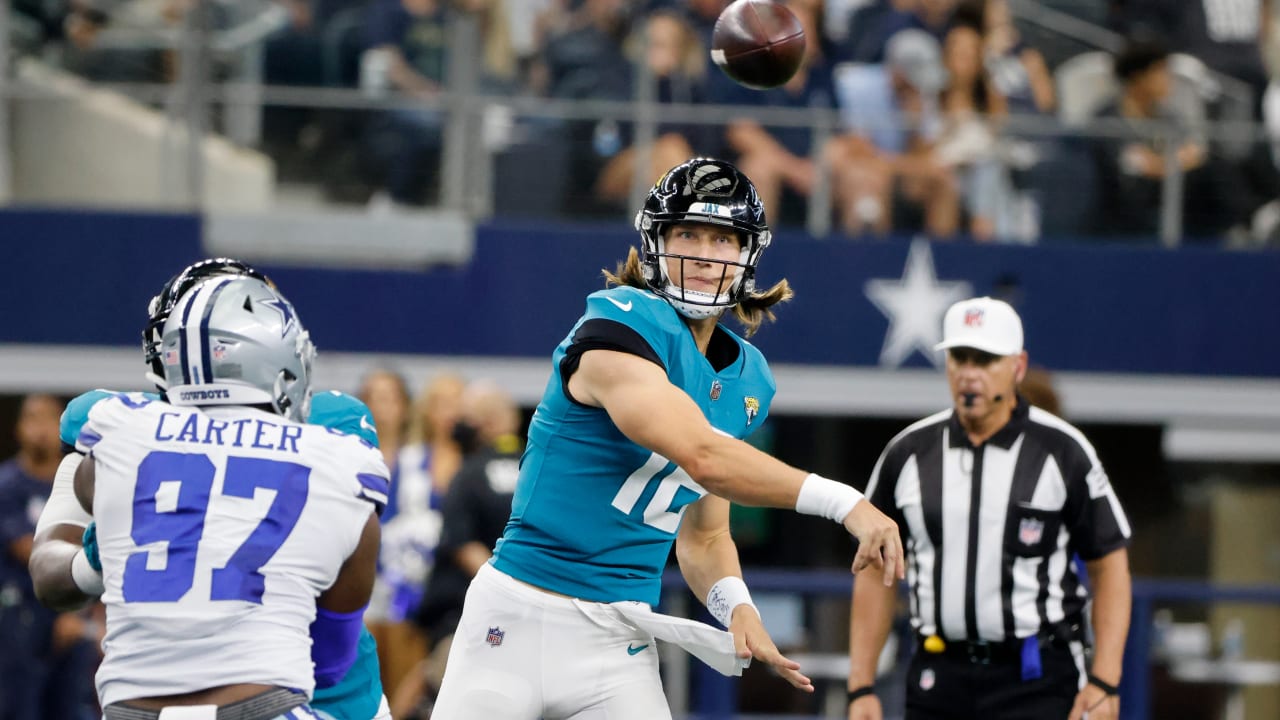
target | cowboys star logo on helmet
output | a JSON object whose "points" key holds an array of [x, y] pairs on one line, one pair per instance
{"points": [[237, 342]]}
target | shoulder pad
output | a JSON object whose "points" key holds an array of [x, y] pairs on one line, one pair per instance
{"points": [[343, 413]]}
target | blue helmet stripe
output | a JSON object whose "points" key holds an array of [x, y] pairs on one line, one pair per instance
{"points": [[182, 341], [206, 359]]}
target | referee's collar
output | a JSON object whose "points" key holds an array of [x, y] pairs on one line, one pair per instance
{"points": [[1004, 438]]}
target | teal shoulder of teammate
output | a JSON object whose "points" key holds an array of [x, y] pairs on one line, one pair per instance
{"points": [[76, 413], [343, 413]]}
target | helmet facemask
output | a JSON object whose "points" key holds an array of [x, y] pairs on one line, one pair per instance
{"points": [[709, 192], [696, 304]]}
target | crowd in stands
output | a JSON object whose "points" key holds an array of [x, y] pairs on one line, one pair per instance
{"points": [[953, 119]]}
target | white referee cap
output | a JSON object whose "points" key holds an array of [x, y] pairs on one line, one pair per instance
{"points": [[983, 323]]}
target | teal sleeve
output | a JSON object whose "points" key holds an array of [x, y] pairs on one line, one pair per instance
{"points": [[77, 413], [343, 413]]}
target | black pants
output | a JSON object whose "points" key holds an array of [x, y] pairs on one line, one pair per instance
{"points": [[947, 687]]}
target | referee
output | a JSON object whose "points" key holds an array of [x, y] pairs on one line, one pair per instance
{"points": [[998, 502]]}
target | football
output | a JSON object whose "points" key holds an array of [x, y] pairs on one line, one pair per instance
{"points": [[758, 43]]}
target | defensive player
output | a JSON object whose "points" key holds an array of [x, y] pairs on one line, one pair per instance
{"points": [[357, 695], [225, 526], [639, 428]]}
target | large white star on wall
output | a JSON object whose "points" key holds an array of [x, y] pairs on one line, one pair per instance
{"points": [[914, 305]]}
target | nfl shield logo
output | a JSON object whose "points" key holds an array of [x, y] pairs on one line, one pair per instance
{"points": [[1030, 530], [494, 638], [973, 318], [927, 679], [716, 387]]}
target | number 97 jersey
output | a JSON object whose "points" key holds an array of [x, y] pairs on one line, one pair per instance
{"points": [[217, 528]]}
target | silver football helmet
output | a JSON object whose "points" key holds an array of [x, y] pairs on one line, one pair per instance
{"points": [[237, 341]]}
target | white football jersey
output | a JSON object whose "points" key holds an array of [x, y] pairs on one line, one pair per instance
{"points": [[217, 528]]}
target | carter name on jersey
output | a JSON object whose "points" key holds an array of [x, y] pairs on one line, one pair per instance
{"points": [[246, 432]]}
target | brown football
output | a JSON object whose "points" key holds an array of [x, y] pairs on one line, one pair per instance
{"points": [[758, 43]]}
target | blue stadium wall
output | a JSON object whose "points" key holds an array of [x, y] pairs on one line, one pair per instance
{"points": [[84, 277]]}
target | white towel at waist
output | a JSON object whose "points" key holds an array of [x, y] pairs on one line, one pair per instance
{"points": [[710, 645]]}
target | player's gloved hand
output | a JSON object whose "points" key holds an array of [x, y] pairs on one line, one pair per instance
{"points": [[751, 640], [879, 544], [90, 543]]}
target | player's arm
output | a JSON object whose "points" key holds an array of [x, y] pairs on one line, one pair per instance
{"points": [[63, 576], [53, 558], [335, 633], [655, 414], [708, 559], [60, 570]]}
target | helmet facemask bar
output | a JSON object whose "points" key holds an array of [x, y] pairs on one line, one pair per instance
{"points": [[732, 276], [737, 278], [702, 191]]}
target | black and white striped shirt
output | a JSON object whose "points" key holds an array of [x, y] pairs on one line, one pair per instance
{"points": [[1038, 496]]}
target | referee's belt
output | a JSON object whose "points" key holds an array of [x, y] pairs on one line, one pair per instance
{"points": [[988, 652]]}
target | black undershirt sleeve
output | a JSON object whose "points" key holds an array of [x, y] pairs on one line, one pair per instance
{"points": [[602, 334]]}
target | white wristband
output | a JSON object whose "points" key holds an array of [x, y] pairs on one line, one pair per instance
{"points": [[728, 593], [86, 578], [826, 498]]}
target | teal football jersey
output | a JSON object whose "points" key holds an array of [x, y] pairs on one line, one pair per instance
{"points": [[358, 695], [594, 514]]}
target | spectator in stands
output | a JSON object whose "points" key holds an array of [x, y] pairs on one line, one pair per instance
{"points": [[872, 27], [703, 14], [676, 57], [1015, 69], [293, 55], [409, 38], [583, 59], [84, 53], [1131, 166], [46, 665], [892, 114], [967, 144], [1226, 35]]}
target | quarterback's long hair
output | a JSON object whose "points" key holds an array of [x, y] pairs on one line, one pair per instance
{"points": [[752, 311]]}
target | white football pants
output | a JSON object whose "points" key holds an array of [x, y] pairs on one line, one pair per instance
{"points": [[522, 654]]}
